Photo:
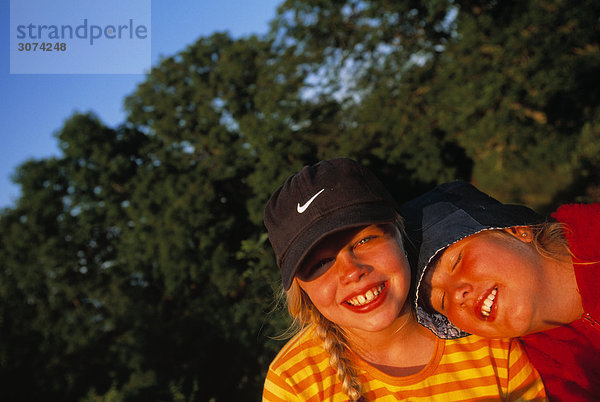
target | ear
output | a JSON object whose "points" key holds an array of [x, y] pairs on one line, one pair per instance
{"points": [[523, 233]]}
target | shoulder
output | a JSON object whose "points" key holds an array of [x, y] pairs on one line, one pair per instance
{"points": [[577, 212], [305, 345], [302, 357], [475, 342], [300, 370], [474, 347], [474, 360]]}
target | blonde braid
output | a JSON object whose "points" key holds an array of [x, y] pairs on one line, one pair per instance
{"points": [[335, 344]]}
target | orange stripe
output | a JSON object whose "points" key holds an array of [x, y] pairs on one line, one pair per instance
{"points": [[471, 346], [444, 388], [518, 392], [285, 356], [278, 382], [453, 367], [424, 389], [522, 368], [377, 393], [315, 360], [518, 365], [327, 393], [315, 378], [271, 397]]}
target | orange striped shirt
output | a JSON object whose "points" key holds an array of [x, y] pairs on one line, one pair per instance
{"points": [[469, 368]]}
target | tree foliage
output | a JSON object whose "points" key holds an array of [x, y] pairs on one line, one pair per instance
{"points": [[135, 265]]}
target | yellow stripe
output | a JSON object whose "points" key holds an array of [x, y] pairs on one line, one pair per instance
{"points": [[470, 368]]}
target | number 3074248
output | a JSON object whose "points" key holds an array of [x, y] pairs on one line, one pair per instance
{"points": [[41, 47]]}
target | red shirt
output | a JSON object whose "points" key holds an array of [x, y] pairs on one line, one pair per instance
{"points": [[568, 357]]}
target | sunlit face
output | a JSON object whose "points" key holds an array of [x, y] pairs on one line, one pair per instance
{"points": [[488, 284], [359, 279]]}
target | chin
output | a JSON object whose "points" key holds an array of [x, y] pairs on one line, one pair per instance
{"points": [[497, 331], [517, 324], [377, 324]]}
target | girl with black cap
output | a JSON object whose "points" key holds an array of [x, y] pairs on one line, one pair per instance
{"points": [[337, 239], [500, 270]]}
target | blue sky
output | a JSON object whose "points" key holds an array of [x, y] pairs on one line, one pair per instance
{"points": [[33, 107]]}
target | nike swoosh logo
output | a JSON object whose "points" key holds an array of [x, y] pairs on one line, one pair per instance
{"points": [[302, 208]]}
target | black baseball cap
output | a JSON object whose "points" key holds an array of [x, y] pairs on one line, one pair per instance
{"points": [[322, 199], [441, 217]]}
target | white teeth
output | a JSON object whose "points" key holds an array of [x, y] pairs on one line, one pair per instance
{"points": [[369, 296], [486, 308]]}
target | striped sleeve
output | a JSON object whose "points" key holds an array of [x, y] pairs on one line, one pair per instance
{"points": [[301, 372], [524, 382], [277, 389]]}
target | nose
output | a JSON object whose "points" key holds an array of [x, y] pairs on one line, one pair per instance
{"points": [[351, 269], [462, 292]]}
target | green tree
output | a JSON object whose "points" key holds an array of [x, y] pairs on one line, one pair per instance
{"points": [[500, 93], [59, 264], [518, 89]]}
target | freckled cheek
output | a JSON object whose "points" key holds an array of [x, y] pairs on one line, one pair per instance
{"points": [[394, 263], [399, 279], [322, 295]]}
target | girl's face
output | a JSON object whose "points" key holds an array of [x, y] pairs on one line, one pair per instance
{"points": [[358, 278], [489, 284]]}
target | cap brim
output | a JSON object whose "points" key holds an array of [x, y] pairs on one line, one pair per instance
{"points": [[343, 218]]}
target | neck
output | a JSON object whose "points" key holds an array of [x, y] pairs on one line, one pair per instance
{"points": [[563, 301], [403, 348]]}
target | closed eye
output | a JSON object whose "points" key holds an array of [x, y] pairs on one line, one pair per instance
{"points": [[443, 301], [456, 262]]}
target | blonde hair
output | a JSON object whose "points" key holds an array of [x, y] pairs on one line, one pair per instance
{"points": [[550, 241], [335, 342]]}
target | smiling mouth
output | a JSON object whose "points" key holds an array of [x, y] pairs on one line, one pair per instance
{"points": [[488, 303], [367, 297]]}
